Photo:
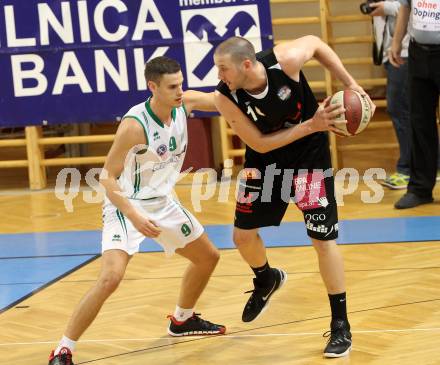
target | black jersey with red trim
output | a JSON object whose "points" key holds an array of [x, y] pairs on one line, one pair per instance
{"points": [[286, 103]]}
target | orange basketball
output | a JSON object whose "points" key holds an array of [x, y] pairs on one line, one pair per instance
{"points": [[357, 112]]}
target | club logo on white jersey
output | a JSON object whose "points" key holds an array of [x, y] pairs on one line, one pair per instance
{"points": [[204, 29], [162, 149]]}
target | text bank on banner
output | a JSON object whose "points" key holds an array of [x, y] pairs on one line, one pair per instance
{"points": [[83, 60]]}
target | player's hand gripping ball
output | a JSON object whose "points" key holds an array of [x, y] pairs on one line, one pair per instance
{"points": [[357, 112]]}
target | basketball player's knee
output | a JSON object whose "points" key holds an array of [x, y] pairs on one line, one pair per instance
{"points": [[242, 237], [109, 282], [323, 247], [207, 260], [214, 257], [210, 259]]}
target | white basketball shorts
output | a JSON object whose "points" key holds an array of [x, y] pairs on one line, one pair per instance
{"points": [[179, 227]]}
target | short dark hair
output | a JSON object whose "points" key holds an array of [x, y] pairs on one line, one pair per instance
{"points": [[159, 66], [238, 48]]}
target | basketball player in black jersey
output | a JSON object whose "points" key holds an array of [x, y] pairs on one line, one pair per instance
{"points": [[267, 92]]}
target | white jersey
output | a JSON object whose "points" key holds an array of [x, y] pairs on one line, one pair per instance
{"points": [[153, 172]]}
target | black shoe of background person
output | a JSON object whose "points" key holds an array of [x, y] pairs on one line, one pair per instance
{"points": [[411, 200]]}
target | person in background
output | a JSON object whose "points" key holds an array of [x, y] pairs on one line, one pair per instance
{"points": [[424, 91], [396, 89]]}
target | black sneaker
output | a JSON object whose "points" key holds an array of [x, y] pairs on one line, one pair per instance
{"points": [[411, 200], [339, 343], [64, 357], [194, 326], [259, 300]]}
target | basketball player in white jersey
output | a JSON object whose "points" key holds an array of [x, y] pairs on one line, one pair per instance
{"points": [[139, 175]]}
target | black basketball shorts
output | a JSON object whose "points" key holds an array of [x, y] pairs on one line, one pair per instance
{"points": [[265, 193]]}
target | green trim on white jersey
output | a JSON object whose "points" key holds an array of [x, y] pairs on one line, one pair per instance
{"points": [[139, 121], [184, 211], [153, 172], [122, 221], [155, 117], [184, 108]]}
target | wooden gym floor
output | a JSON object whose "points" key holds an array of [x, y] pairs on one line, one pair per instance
{"points": [[393, 294]]}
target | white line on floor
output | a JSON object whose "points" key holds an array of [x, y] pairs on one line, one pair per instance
{"points": [[299, 334]]}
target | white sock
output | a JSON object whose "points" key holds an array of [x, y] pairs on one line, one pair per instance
{"points": [[65, 342], [182, 314]]}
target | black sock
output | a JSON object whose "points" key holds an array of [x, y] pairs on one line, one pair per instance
{"points": [[264, 274], [338, 304]]}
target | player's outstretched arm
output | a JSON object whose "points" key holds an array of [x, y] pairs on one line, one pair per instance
{"points": [[197, 100], [323, 120], [294, 54]]}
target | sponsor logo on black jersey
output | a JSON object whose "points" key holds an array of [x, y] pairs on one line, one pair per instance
{"points": [[284, 92]]}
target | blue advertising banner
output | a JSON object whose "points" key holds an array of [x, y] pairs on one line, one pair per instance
{"points": [[83, 60]]}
